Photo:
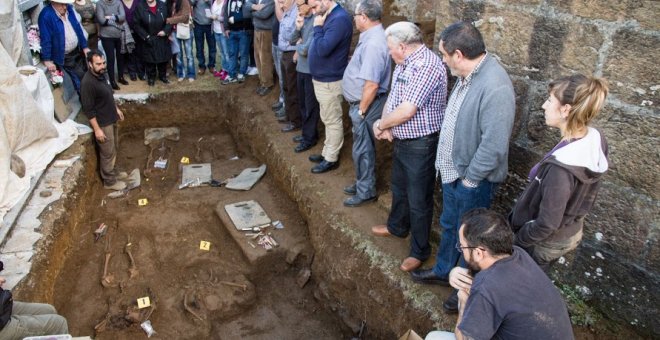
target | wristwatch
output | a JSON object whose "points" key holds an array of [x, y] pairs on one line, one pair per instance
{"points": [[361, 113]]}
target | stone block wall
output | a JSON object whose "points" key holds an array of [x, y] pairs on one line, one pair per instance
{"points": [[617, 267]]}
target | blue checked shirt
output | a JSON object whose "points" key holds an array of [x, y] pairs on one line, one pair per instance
{"points": [[422, 81]]}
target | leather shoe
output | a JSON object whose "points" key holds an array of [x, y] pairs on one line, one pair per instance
{"points": [[354, 201], [427, 276], [315, 158], [122, 81], [151, 82], [114, 85], [410, 263], [282, 119], [303, 146], [324, 166], [133, 77], [165, 80], [451, 304], [290, 128], [350, 190], [297, 139], [380, 230]]}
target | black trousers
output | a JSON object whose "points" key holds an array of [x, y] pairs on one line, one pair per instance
{"points": [[152, 68], [112, 48], [291, 89], [75, 66], [309, 108]]}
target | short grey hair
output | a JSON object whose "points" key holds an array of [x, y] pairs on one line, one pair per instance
{"points": [[372, 9], [404, 32]]}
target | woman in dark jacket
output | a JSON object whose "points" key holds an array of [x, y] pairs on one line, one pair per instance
{"points": [[149, 24], [549, 215]]}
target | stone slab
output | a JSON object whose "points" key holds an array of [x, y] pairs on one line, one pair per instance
{"points": [[247, 215], [196, 173], [247, 178]]}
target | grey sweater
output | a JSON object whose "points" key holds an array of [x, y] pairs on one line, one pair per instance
{"points": [[199, 11], [307, 35], [110, 28], [484, 124], [262, 20]]}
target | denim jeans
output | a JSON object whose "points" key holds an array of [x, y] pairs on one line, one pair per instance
{"points": [[458, 199], [201, 33], [221, 41], [239, 46], [413, 178], [185, 48]]}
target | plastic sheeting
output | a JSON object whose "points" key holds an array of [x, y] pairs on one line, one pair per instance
{"points": [[28, 133]]}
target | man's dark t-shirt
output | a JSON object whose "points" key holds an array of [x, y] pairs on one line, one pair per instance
{"points": [[514, 299], [97, 99]]}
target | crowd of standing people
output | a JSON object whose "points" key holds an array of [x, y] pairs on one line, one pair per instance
{"points": [[459, 136]]}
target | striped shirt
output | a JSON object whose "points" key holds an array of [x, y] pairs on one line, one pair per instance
{"points": [[422, 81], [70, 37], [443, 161]]}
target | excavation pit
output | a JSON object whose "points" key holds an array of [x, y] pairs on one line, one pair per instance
{"points": [[328, 279]]}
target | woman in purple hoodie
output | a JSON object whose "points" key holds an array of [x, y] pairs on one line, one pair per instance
{"points": [[549, 215]]}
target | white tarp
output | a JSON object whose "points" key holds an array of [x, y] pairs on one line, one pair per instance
{"points": [[28, 132]]}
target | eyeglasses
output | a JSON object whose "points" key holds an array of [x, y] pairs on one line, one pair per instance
{"points": [[460, 248]]}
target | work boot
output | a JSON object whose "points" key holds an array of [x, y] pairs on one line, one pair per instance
{"points": [[119, 185]]}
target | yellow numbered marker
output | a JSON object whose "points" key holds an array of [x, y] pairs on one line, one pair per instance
{"points": [[185, 160], [144, 302], [143, 202], [204, 245]]}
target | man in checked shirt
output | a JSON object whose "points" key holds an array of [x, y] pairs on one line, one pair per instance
{"points": [[412, 118], [474, 143]]}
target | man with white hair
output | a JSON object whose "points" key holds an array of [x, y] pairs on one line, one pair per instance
{"points": [[412, 118], [63, 40], [365, 84]]}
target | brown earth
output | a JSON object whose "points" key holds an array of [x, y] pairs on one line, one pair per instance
{"points": [[165, 236], [166, 233]]}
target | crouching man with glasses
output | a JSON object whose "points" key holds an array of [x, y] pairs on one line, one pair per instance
{"points": [[502, 294]]}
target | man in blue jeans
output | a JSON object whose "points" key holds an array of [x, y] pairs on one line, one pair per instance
{"points": [[238, 41], [412, 118], [202, 31], [474, 143]]}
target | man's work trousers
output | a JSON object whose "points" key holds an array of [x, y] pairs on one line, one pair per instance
{"points": [[263, 56], [33, 319], [277, 61], [108, 154], [364, 151], [330, 96]]}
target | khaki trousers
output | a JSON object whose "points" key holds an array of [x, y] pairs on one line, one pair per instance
{"points": [[330, 96], [263, 56], [33, 319], [108, 154]]}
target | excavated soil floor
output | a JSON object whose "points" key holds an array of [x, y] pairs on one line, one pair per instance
{"points": [[185, 283]]}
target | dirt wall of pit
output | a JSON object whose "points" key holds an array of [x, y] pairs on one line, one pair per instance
{"points": [[618, 262]]}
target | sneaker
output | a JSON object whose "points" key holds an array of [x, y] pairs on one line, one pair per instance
{"points": [[180, 79], [190, 80], [119, 185], [224, 74], [252, 71], [217, 74], [240, 78], [122, 175], [229, 80]]}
